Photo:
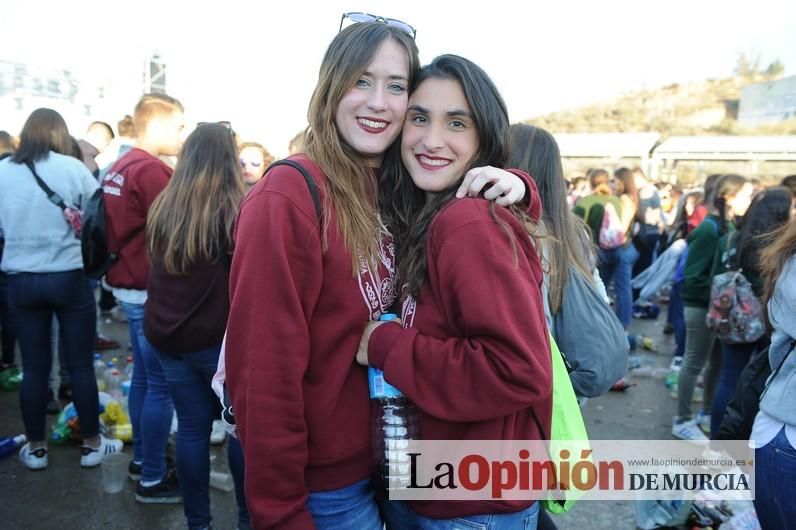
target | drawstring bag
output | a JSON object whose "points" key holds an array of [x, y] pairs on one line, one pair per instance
{"points": [[567, 429]]}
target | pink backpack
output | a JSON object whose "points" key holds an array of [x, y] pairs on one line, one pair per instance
{"points": [[612, 233]]}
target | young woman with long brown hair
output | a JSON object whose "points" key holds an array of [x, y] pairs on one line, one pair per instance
{"points": [[302, 284], [42, 259], [189, 241], [472, 350], [774, 431]]}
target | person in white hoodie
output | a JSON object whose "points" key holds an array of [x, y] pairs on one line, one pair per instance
{"points": [[774, 431], [45, 277]]}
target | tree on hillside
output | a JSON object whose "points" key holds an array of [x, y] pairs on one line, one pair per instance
{"points": [[747, 66], [774, 69]]}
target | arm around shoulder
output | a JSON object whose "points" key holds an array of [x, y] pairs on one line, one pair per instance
{"points": [[496, 350]]}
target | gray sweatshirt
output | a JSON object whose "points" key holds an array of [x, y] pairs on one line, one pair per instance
{"points": [[37, 236], [779, 402]]}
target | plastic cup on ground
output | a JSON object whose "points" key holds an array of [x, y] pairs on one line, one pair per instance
{"points": [[114, 472]]}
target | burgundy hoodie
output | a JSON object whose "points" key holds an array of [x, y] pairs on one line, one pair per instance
{"points": [[297, 314], [473, 354], [130, 187]]}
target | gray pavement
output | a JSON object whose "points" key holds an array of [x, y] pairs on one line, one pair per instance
{"points": [[65, 496]]}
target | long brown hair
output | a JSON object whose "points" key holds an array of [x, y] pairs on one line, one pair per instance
{"points": [[535, 151], [192, 218], [45, 130], [351, 185], [774, 257]]}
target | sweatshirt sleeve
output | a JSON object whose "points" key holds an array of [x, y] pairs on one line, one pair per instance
{"points": [[532, 202], [274, 285], [502, 355]]}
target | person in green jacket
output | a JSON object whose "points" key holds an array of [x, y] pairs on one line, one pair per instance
{"points": [[731, 199], [770, 209]]}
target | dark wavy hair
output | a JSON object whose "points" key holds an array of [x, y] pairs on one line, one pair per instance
{"points": [[769, 210], [403, 204]]}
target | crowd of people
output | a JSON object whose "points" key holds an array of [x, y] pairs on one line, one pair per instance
{"points": [[420, 200]]}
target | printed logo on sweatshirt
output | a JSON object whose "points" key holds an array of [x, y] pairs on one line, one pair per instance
{"points": [[112, 184], [408, 311], [378, 291]]}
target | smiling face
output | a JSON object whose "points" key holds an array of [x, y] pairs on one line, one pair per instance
{"points": [[370, 115], [440, 138]]}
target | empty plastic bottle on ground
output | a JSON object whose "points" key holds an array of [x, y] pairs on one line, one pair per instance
{"points": [[395, 424], [10, 444]]}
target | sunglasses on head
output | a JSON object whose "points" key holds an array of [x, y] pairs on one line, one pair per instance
{"points": [[225, 124], [358, 18]]}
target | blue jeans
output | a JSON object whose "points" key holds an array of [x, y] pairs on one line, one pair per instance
{"points": [[151, 408], [617, 264], [238, 469], [351, 507], [775, 482], [7, 333], [734, 358], [675, 317], [33, 300], [400, 517], [189, 376]]}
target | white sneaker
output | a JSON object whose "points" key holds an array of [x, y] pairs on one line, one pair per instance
{"points": [[703, 421], [677, 364], [33, 459], [218, 434], [93, 457], [688, 430]]}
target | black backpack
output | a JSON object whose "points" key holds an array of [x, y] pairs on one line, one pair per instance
{"points": [[97, 258], [742, 409]]}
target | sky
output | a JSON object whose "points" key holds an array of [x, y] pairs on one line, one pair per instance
{"points": [[255, 63]]}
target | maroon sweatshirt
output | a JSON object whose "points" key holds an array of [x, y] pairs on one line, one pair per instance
{"points": [[474, 354], [296, 318], [130, 187]]}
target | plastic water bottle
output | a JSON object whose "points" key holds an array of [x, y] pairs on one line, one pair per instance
{"points": [[395, 424], [128, 369], [113, 384], [99, 366], [9, 445], [221, 481]]}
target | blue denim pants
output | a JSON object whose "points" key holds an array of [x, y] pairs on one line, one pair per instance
{"points": [[775, 483], [616, 265], [33, 300], [400, 517], [7, 333], [151, 408], [189, 376], [353, 507], [676, 318]]}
